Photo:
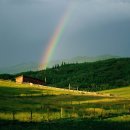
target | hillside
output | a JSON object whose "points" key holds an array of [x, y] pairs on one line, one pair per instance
{"points": [[120, 92], [94, 76]]}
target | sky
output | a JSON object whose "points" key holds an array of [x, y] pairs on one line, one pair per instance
{"points": [[96, 27]]}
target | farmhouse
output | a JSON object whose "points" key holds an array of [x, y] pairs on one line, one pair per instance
{"points": [[25, 79]]}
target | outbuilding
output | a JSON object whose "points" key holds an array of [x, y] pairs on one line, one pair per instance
{"points": [[25, 79]]}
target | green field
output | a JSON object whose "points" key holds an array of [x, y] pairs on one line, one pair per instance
{"points": [[33, 107], [120, 92]]}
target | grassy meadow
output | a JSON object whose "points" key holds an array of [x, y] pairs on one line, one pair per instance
{"points": [[119, 92], [33, 107]]}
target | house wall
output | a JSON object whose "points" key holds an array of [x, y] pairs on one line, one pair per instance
{"points": [[19, 79]]}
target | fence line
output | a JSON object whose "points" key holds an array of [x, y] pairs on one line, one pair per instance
{"points": [[63, 113]]}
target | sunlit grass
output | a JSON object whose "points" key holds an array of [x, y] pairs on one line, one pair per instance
{"points": [[38, 90], [120, 118], [119, 92], [49, 103]]}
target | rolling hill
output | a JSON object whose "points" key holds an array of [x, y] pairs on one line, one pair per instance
{"points": [[95, 76]]}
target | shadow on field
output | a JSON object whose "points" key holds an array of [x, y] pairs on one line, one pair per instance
{"points": [[65, 125], [12, 91]]}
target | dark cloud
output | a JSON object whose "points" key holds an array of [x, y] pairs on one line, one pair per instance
{"points": [[22, 1], [94, 28], [122, 1]]}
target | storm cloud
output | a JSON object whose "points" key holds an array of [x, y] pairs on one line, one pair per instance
{"points": [[95, 27]]}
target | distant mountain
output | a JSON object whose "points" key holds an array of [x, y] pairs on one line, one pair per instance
{"points": [[33, 66], [82, 59]]}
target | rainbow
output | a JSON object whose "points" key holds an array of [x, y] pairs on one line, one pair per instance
{"points": [[47, 56]]}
